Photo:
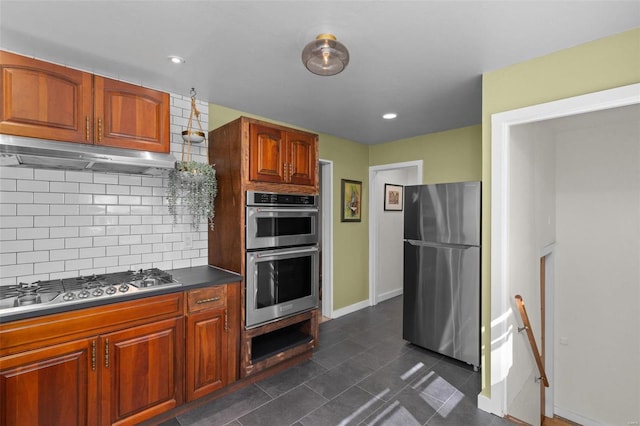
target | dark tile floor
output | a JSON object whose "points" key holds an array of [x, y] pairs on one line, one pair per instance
{"points": [[363, 373]]}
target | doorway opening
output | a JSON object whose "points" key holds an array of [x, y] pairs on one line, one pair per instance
{"points": [[326, 238], [386, 229]]}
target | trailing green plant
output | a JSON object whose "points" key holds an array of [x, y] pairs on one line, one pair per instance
{"points": [[194, 185]]}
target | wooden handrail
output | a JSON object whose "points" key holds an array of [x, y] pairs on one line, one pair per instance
{"points": [[532, 339]]}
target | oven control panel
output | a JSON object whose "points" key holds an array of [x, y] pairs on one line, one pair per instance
{"points": [[275, 199]]}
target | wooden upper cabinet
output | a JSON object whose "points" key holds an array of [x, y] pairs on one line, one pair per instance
{"points": [[302, 158], [281, 156], [48, 101], [44, 100], [128, 116], [266, 154]]}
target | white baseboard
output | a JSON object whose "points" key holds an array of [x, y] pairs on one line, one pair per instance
{"points": [[575, 417], [350, 309], [389, 295]]}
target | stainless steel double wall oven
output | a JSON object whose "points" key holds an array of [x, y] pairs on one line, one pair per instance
{"points": [[282, 258]]}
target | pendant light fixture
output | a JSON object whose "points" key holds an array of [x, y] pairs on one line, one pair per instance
{"points": [[325, 55]]}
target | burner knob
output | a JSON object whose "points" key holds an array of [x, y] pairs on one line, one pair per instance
{"points": [[68, 296], [97, 292], [111, 290], [124, 288], [84, 294]]}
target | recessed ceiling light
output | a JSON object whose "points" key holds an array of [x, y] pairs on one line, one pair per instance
{"points": [[176, 59], [390, 116]]}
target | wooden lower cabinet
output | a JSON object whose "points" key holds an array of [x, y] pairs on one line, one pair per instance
{"points": [[141, 372], [56, 385], [208, 356]]}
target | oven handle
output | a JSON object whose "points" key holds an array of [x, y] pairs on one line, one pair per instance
{"points": [[281, 252], [278, 210]]}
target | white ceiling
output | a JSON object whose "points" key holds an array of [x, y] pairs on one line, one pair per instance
{"points": [[420, 59]]}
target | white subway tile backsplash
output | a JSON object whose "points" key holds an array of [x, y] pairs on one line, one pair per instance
{"points": [[49, 175], [105, 178], [64, 209], [8, 210], [48, 267], [105, 241], [16, 173], [16, 197], [9, 234], [32, 185], [48, 221], [64, 232], [79, 242], [71, 176], [18, 222], [32, 233], [118, 210], [48, 198], [65, 254], [72, 187], [60, 224], [105, 199], [93, 188], [105, 220], [8, 185], [118, 250], [33, 210], [48, 244], [118, 189], [8, 258]]}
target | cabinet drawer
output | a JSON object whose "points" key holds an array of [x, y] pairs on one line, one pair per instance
{"points": [[206, 298]]}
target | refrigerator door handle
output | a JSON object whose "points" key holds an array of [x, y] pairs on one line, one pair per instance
{"points": [[419, 243]]}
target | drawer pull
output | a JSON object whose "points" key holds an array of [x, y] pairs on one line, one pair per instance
{"points": [[211, 299], [106, 354]]}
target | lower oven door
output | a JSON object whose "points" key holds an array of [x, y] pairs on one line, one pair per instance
{"points": [[280, 283]]}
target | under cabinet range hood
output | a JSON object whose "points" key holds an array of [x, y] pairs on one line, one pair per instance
{"points": [[47, 154]]}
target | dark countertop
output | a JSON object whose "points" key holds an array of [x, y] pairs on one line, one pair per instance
{"points": [[194, 277]]}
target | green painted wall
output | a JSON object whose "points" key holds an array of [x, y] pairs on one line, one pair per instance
{"points": [[599, 65], [350, 239], [451, 156]]}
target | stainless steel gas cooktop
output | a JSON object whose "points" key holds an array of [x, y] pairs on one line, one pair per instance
{"points": [[26, 297]]}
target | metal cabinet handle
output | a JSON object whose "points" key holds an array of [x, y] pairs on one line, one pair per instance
{"points": [[290, 170], [211, 299], [226, 321], [106, 354], [93, 355], [99, 129], [87, 126]]}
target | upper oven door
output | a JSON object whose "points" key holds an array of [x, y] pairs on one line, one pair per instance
{"points": [[269, 227]]}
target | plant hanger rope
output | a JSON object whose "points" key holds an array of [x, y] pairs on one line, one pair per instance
{"points": [[196, 112]]}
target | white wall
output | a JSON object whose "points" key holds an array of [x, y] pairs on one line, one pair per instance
{"points": [[57, 224], [388, 265], [598, 273], [531, 227]]}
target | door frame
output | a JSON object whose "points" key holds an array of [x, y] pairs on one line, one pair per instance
{"points": [[375, 199], [326, 196], [500, 335]]}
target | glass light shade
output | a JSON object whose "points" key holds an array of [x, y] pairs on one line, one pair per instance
{"points": [[325, 55]]}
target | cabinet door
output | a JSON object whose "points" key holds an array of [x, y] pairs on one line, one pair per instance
{"points": [[301, 158], [141, 371], [128, 116], [44, 100], [266, 154], [56, 385], [206, 352]]}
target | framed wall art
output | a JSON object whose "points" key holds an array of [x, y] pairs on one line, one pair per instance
{"points": [[351, 201], [393, 197]]}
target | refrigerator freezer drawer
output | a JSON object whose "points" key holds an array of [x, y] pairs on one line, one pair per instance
{"points": [[442, 299]]}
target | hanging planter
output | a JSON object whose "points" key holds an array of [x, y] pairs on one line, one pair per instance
{"points": [[193, 185]]}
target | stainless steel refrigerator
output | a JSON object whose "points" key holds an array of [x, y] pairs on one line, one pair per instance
{"points": [[441, 299]]}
